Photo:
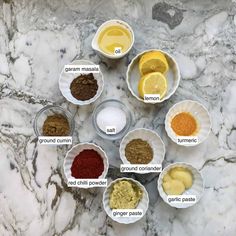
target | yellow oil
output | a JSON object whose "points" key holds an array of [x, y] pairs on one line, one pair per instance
{"points": [[113, 37]]}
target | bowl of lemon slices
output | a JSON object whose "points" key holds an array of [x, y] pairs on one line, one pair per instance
{"points": [[153, 76]]}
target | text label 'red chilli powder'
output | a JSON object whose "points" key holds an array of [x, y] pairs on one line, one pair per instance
{"points": [[88, 164]]}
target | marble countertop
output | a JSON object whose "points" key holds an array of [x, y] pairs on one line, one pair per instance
{"points": [[37, 38]]}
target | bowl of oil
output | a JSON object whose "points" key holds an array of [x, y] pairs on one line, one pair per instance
{"points": [[113, 39]]}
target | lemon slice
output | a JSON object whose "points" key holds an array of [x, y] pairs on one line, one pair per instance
{"points": [[153, 62], [153, 83]]}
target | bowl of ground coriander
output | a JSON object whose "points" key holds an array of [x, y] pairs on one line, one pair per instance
{"points": [[142, 147], [54, 121], [81, 87]]}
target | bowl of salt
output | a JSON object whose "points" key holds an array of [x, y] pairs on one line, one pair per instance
{"points": [[111, 119]]}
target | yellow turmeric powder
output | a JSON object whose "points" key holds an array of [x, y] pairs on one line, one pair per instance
{"points": [[184, 124]]}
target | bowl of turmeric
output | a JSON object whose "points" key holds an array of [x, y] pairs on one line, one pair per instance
{"points": [[188, 123]]}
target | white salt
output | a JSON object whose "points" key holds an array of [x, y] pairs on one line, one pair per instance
{"points": [[111, 117]]}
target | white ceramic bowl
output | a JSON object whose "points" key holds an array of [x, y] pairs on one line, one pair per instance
{"points": [[143, 204], [172, 76], [196, 189], [153, 140], [121, 23], [198, 111], [117, 104], [67, 78], [75, 150]]}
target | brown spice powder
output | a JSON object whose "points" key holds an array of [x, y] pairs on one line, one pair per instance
{"points": [[56, 125], [84, 87], [138, 151]]}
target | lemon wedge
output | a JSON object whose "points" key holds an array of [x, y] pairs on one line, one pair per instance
{"points": [[154, 61], [153, 83]]}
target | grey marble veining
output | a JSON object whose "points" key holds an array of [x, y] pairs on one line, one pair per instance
{"points": [[37, 38]]}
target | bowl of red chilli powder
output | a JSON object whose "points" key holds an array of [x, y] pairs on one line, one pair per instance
{"points": [[86, 161]]}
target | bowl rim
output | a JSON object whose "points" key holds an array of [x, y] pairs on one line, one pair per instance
{"points": [[132, 180], [167, 127], [124, 159], [123, 131], [99, 29], [171, 166], [99, 91], [177, 72], [106, 164], [48, 107]]}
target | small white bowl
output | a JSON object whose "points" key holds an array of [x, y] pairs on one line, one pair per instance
{"points": [[196, 189], [172, 76], [67, 78], [153, 140], [117, 104], [198, 111], [143, 204], [75, 150], [121, 23]]}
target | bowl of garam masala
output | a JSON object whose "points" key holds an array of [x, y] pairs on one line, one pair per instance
{"points": [[81, 88]]}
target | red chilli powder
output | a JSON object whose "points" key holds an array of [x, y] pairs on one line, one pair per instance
{"points": [[88, 164]]}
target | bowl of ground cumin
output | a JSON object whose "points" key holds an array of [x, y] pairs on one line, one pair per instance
{"points": [[54, 121], [81, 88]]}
